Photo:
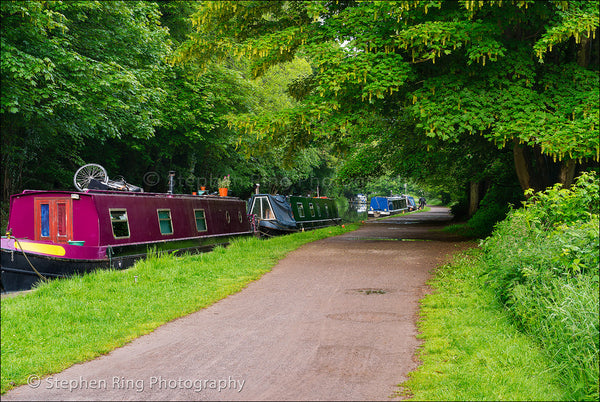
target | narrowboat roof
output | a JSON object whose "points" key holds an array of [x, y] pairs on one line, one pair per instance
{"points": [[390, 197], [119, 193]]}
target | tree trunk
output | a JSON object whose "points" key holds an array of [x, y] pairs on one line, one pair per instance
{"points": [[522, 166], [584, 51], [538, 171], [473, 197], [567, 172]]}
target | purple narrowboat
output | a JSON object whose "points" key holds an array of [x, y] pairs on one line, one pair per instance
{"points": [[55, 234]]}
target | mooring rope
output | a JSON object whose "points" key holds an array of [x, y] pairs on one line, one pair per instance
{"points": [[263, 233], [27, 258]]}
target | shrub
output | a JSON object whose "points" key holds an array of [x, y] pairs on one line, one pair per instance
{"points": [[460, 209], [502, 193], [543, 263], [493, 208]]}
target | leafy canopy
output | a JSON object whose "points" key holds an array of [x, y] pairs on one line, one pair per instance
{"points": [[90, 68], [506, 70]]}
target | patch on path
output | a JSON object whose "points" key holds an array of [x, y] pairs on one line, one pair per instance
{"points": [[371, 291], [367, 316]]}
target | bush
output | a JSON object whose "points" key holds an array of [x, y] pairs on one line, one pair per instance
{"points": [[543, 263], [493, 208], [460, 209]]}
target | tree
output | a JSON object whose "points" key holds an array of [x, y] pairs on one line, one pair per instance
{"points": [[71, 72], [193, 138], [521, 74]]}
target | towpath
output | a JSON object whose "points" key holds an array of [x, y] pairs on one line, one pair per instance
{"points": [[334, 320]]}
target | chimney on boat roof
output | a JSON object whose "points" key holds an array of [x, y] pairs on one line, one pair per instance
{"points": [[171, 181], [257, 188]]}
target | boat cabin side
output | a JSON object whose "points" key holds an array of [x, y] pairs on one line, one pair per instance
{"points": [[136, 218], [313, 209], [266, 207], [53, 216], [387, 205], [285, 214], [97, 218]]}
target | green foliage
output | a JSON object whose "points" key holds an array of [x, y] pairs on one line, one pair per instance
{"points": [[392, 146], [456, 69], [74, 71], [3, 216], [502, 196], [483, 221], [472, 350], [503, 104], [559, 206], [89, 82], [577, 22], [428, 90], [543, 264], [81, 65]]}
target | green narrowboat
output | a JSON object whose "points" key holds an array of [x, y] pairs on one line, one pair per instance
{"points": [[278, 214]]}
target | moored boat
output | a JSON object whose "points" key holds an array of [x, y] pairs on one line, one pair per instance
{"points": [[278, 214], [385, 206], [358, 203], [55, 234]]}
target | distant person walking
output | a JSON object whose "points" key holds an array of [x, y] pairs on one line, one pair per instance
{"points": [[421, 202]]}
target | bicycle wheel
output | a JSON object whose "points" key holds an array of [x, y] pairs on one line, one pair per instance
{"points": [[86, 173]]}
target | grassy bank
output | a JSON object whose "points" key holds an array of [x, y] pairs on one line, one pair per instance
{"points": [[519, 320], [543, 264], [471, 350], [69, 321]]}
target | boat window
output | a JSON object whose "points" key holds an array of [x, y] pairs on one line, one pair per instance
{"points": [[45, 220], [240, 216], [318, 210], [62, 219], [120, 223], [200, 220], [312, 209], [326, 211], [262, 209], [227, 217], [300, 210], [257, 207], [164, 221], [267, 212]]}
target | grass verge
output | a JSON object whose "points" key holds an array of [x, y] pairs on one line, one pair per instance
{"points": [[74, 320], [472, 351], [462, 229]]}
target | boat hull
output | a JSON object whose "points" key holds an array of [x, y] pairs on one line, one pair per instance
{"points": [[274, 228]]}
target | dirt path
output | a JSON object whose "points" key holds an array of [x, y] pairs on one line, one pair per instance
{"points": [[335, 320]]}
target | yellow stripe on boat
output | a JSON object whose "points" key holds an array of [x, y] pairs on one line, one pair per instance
{"points": [[41, 248]]}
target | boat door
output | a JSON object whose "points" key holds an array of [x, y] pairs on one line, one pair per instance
{"points": [[54, 219]]}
